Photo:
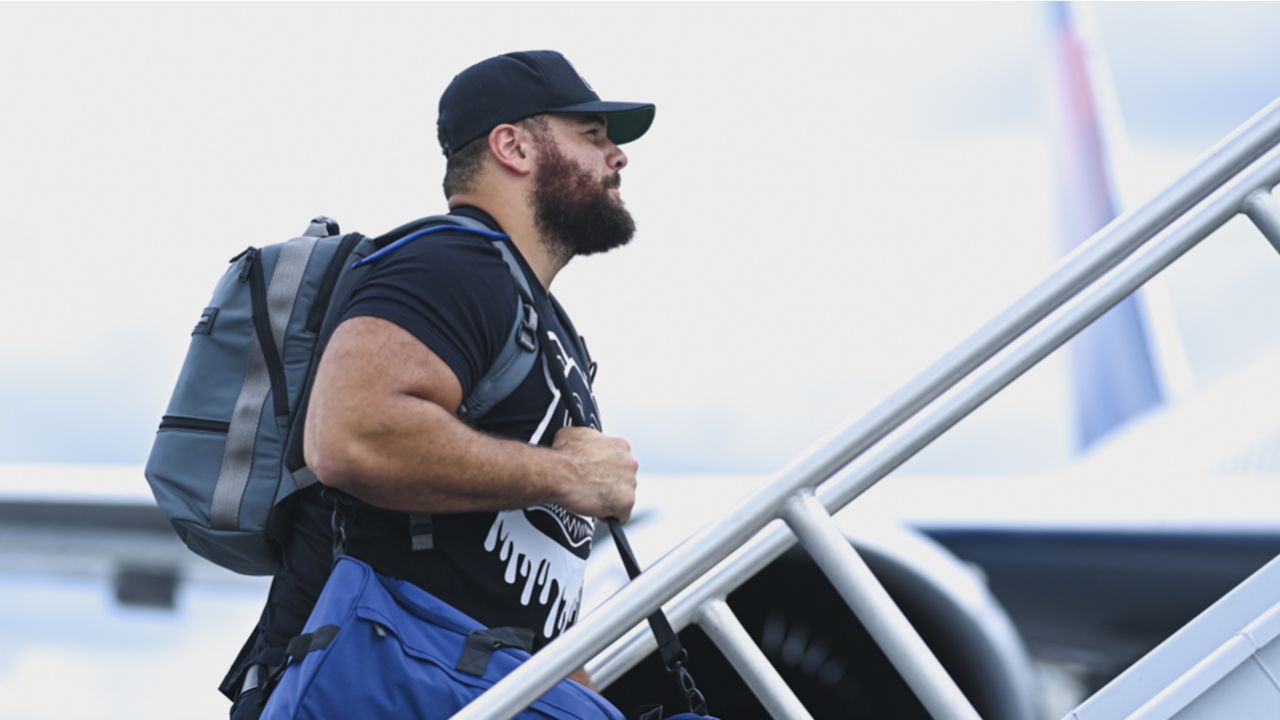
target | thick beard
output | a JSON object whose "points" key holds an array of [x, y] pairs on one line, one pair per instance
{"points": [[573, 210]]}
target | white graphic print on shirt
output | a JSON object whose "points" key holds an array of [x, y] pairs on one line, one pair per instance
{"points": [[540, 560], [541, 552]]}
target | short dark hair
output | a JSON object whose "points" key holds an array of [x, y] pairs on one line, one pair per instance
{"points": [[463, 167]]}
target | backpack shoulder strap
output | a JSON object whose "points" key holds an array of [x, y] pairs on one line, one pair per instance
{"points": [[461, 220], [409, 232], [518, 353], [410, 228], [509, 369]]}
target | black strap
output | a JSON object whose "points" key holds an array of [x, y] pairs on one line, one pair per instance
{"points": [[669, 647], [481, 644], [421, 531], [298, 647], [337, 519], [317, 639], [674, 656]]}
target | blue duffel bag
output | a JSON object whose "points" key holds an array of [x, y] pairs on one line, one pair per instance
{"points": [[377, 647]]}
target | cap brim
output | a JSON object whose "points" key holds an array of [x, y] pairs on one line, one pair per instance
{"points": [[627, 121]]}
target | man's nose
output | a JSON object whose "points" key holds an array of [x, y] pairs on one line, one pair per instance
{"points": [[617, 159]]}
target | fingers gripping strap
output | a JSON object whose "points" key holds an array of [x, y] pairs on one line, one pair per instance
{"points": [[237, 455]]}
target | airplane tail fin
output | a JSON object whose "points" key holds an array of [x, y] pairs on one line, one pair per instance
{"points": [[1115, 374]]}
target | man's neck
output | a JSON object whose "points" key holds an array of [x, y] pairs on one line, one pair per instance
{"points": [[520, 225]]}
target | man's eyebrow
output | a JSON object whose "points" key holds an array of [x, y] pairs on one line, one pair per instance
{"points": [[593, 120]]}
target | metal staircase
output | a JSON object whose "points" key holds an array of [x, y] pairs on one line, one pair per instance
{"points": [[1236, 176], [1223, 664]]}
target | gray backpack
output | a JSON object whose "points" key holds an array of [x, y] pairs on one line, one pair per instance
{"points": [[229, 447]]}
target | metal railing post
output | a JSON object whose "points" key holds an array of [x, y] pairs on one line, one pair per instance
{"points": [[722, 626], [879, 614]]}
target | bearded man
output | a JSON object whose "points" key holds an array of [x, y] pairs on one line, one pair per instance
{"points": [[511, 497]]}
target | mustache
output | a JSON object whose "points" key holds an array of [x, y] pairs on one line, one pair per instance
{"points": [[613, 182]]}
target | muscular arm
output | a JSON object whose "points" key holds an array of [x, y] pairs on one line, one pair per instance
{"points": [[380, 426]]}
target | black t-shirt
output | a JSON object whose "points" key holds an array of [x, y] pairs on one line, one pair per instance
{"points": [[524, 567]]}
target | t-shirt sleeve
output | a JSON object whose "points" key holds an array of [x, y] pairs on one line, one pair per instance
{"points": [[454, 293]]}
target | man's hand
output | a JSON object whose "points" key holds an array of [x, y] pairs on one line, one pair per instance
{"points": [[604, 478]]}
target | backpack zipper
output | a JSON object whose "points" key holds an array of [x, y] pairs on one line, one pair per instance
{"points": [[254, 273]]}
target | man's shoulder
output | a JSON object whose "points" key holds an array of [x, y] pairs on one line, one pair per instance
{"points": [[455, 256], [452, 244]]}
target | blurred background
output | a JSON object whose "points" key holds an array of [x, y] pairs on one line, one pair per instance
{"points": [[831, 197]]}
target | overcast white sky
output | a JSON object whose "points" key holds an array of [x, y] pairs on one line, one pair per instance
{"points": [[831, 196]]}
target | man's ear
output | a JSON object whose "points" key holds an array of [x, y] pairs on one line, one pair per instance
{"points": [[512, 148]]}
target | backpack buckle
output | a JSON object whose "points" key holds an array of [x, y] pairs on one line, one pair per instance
{"points": [[527, 336]]}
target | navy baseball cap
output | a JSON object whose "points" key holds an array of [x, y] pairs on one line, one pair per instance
{"points": [[518, 85]]}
